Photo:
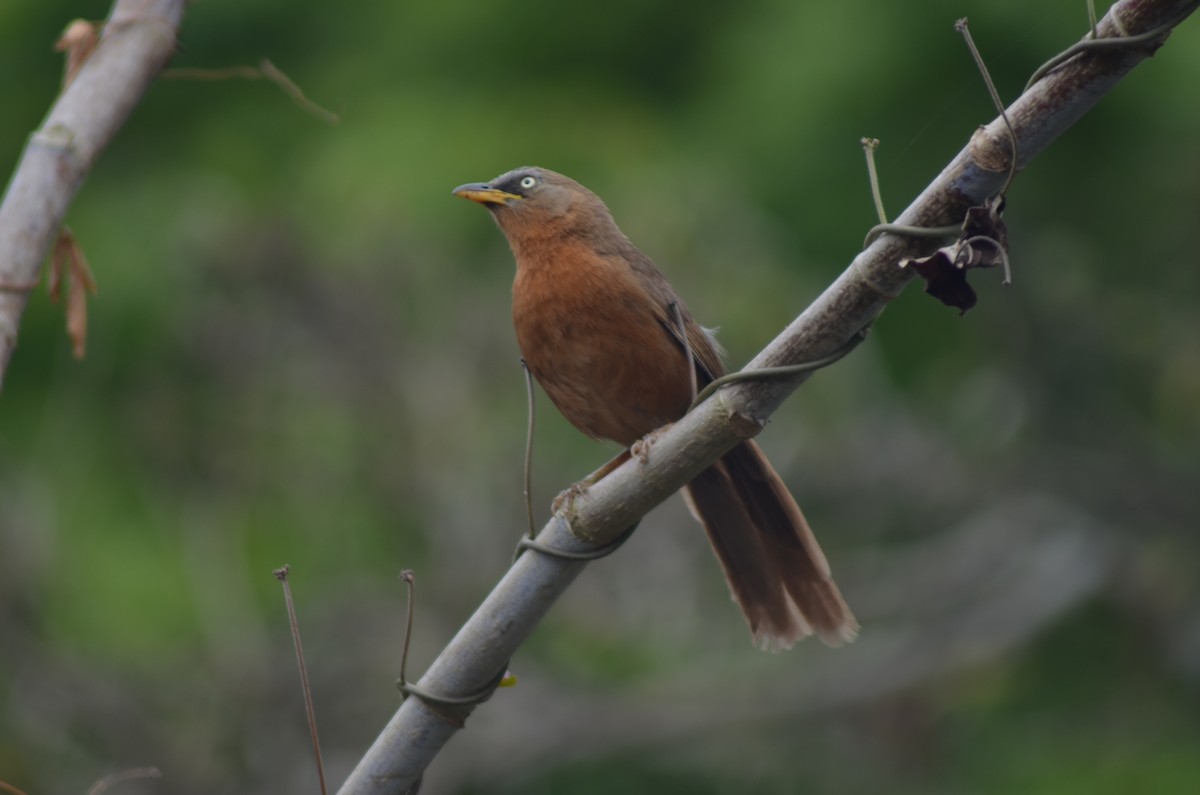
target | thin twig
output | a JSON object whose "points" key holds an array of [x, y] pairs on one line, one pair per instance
{"points": [[125, 775], [281, 574], [961, 27], [909, 230], [869, 146], [1004, 263], [264, 71], [1120, 42], [503, 679], [409, 580], [529, 429], [782, 371]]}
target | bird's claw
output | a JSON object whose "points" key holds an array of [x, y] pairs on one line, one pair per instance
{"points": [[641, 448], [566, 495]]}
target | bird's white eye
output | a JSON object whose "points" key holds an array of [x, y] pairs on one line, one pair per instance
{"points": [[528, 182]]}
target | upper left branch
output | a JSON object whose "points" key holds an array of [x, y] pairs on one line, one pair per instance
{"points": [[137, 41]]}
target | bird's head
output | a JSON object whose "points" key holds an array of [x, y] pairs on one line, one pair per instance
{"points": [[531, 202]]}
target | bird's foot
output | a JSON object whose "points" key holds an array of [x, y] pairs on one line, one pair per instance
{"points": [[641, 448], [571, 492]]}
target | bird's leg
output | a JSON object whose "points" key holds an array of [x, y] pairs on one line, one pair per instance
{"points": [[580, 488]]}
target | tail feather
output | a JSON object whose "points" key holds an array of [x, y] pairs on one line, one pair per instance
{"points": [[772, 561]]}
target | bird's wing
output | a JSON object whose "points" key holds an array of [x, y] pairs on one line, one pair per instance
{"points": [[705, 350]]}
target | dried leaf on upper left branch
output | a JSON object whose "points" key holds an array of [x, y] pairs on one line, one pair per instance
{"points": [[78, 41], [67, 261]]}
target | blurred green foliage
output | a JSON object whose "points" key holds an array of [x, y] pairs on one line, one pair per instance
{"points": [[301, 353]]}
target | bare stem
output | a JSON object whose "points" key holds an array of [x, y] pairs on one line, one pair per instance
{"points": [[961, 27], [125, 775], [410, 580], [281, 574], [529, 429], [265, 70], [869, 146]]}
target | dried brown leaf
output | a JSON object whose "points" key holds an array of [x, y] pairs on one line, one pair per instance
{"points": [[944, 280], [982, 243], [68, 262]]}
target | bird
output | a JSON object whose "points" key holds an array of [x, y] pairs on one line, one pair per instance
{"points": [[603, 332]]}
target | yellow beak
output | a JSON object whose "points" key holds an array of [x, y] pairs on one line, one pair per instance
{"points": [[485, 194]]}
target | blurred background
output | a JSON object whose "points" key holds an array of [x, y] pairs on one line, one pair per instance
{"points": [[301, 352]]}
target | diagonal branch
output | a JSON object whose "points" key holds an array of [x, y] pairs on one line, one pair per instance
{"points": [[138, 39], [482, 647]]}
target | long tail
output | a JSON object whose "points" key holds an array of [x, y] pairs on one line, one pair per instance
{"points": [[772, 561]]}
